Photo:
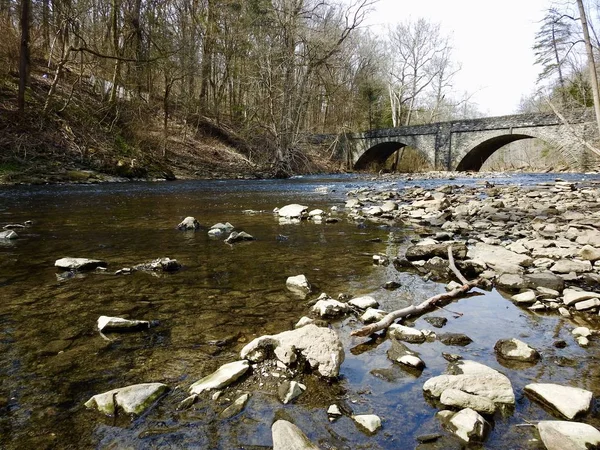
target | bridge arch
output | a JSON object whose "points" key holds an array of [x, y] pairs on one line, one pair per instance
{"points": [[476, 156], [380, 152]]}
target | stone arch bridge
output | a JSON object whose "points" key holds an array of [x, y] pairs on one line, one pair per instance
{"points": [[466, 144]]}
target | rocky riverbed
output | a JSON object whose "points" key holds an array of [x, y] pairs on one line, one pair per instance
{"points": [[510, 365]]}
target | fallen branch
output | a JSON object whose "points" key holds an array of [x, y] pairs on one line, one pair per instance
{"points": [[428, 304]]}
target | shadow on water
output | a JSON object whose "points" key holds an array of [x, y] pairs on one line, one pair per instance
{"points": [[52, 359]]}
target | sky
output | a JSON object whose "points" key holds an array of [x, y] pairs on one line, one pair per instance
{"points": [[492, 40]]}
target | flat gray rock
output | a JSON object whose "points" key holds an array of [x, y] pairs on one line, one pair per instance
{"points": [[460, 399], [568, 401], [133, 399], [223, 376]]}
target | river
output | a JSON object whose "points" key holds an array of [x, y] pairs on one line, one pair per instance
{"points": [[52, 358]]}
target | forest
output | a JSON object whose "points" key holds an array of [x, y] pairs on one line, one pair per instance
{"points": [[143, 88]]}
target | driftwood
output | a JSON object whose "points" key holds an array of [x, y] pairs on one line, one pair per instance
{"points": [[428, 304]]}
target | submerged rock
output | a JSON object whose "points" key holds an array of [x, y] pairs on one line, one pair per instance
{"points": [[9, 234], [189, 223], [290, 390], [79, 263], [320, 347], [287, 436], [160, 265], [106, 324], [568, 401], [223, 376], [563, 435], [236, 407], [133, 399]]}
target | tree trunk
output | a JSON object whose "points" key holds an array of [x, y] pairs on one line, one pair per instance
{"points": [[591, 63], [24, 56]]}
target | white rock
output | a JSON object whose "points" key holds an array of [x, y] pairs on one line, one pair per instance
{"points": [[106, 323], [364, 302], [372, 315], [515, 349], [568, 401], [330, 308], [581, 331], [373, 211], [469, 425], [189, 223], [589, 253], [404, 333], [287, 436], [353, 203], [587, 304], [133, 399], [304, 321], [461, 399], [223, 376], [524, 297], [583, 341], [334, 410], [412, 361], [571, 265], [79, 263], [370, 422], [321, 347], [214, 232], [498, 257], [293, 211], [316, 212], [563, 435], [298, 283], [572, 296], [476, 379]]}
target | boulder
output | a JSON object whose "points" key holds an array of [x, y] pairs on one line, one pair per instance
{"points": [[460, 399], [473, 378], [511, 282], [563, 435], [320, 347], [106, 324], [8, 234], [373, 315], [516, 350], [79, 263], [369, 422], [133, 399], [223, 376], [236, 407], [239, 237], [398, 352], [287, 436], [298, 284], [189, 223], [293, 211], [427, 251], [469, 425], [567, 401]]}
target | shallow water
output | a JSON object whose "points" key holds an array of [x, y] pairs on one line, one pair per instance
{"points": [[52, 359]]}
